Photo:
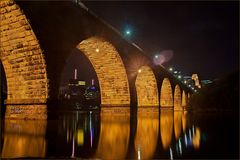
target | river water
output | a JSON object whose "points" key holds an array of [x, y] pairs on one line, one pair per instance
{"points": [[152, 135]]}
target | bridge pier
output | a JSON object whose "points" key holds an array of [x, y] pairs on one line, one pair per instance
{"points": [[31, 111]]}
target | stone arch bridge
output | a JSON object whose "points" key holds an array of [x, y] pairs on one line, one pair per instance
{"points": [[38, 36]]}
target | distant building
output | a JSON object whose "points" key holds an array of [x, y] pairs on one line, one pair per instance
{"points": [[205, 82], [76, 87], [196, 80]]}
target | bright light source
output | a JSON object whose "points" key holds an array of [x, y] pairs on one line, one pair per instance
{"points": [[179, 76], [97, 50], [192, 88], [189, 85], [185, 81], [139, 71], [175, 72], [171, 69], [156, 56], [128, 32]]}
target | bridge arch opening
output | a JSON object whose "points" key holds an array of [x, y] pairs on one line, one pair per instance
{"points": [[166, 98], [146, 87], [110, 70], [79, 81], [184, 98], [177, 98], [22, 58]]}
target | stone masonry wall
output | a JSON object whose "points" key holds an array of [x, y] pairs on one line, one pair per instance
{"points": [[146, 86], [110, 71], [22, 57], [166, 98], [177, 98]]}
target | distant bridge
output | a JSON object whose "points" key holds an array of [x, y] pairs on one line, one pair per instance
{"points": [[38, 36]]}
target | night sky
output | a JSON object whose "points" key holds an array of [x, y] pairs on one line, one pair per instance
{"points": [[202, 35]]}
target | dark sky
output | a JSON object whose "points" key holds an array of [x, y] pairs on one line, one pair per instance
{"points": [[202, 35]]}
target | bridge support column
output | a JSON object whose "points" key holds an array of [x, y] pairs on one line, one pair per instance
{"points": [[35, 111]]}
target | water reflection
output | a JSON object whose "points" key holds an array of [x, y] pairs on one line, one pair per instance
{"points": [[196, 138], [114, 136], [166, 127], [24, 138], [147, 135], [78, 133], [184, 121], [177, 123], [104, 136]]}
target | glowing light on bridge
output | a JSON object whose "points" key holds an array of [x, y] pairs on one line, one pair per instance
{"points": [[162, 57], [97, 50]]}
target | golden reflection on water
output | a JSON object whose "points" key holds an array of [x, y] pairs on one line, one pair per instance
{"points": [[177, 123], [166, 127], [146, 135], [196, 138], [184, 121], [114, 136], [24, 138]]}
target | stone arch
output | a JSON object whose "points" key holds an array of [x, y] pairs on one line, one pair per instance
{"points": [[146, 87], [166, 98], [184, 98], [177, 98], [110, 71], [22, 57], [188, 96]]}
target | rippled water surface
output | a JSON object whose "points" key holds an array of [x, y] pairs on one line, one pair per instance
{"points": [[151, 135]]}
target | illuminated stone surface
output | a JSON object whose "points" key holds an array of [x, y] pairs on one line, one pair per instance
{"points": [[110, 110], [21, 57], [196, 80], [166, 128], [177, 98], [26, 112], [146, 135], [166, 98], [110, 71], [177, 123], [184, 99], [146, 86], [24, 138], [114, 137], [189, 96]]}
